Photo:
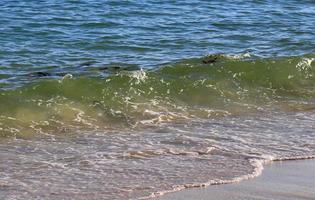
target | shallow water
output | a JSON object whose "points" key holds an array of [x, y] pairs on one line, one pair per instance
{"points": [[129, 100], [139, 163]]}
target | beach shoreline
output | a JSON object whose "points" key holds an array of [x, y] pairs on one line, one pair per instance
{"points": [[279, 180]]}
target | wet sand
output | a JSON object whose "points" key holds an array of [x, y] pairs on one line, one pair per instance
{"points": [[279, 181]]}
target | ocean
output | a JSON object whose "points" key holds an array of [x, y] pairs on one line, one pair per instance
{"points": [[134, 99]]}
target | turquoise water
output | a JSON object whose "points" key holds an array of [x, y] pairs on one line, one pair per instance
{"points": [[134, 99]]}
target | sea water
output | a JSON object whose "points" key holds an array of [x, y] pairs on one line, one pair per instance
{"points": [[133, 99]]}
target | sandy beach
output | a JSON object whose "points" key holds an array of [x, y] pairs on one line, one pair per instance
{"points": [[280, 180]]}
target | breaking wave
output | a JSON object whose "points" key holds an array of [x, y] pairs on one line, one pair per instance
{"points": [[208, 87]]}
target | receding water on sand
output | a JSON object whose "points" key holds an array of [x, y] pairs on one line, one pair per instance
{"points": [[151, 162], [280, 180]]}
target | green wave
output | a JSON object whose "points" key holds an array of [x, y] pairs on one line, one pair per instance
{"points": [[212, 86]]}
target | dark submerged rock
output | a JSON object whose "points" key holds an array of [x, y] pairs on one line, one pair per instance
{"points": [[211, 59], [40, 74]]}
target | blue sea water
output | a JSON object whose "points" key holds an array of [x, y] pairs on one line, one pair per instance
{"points": [[65, 34], [105, 99]]}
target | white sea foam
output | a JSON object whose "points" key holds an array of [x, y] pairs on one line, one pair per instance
{"points": [[238, 56], [258, 165], [140, 76], [305, 66]]}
